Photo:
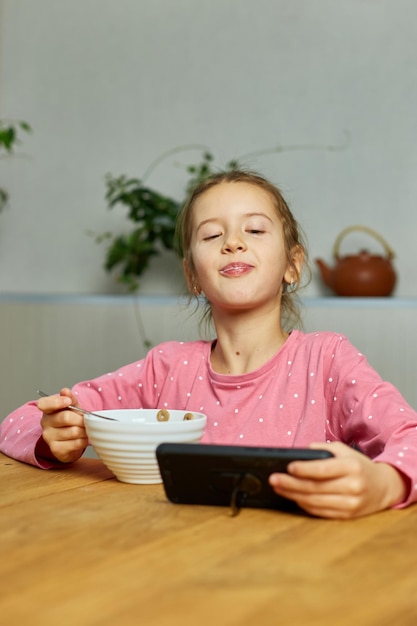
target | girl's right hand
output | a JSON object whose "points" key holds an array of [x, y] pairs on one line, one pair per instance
{"points": [[63, 430]]}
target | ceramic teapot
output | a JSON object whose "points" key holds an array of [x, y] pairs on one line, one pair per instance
{"points": [[362, 274]]}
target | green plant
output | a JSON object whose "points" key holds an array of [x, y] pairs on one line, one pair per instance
{"points": [[9, 137], [154, 216]]}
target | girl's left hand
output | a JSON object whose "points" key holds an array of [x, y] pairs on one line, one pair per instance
{"points": [[347, 486]]}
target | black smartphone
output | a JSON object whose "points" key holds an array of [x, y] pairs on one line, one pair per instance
{"points": [[223, 475]]}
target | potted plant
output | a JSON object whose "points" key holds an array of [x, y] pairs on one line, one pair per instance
{"points": [[9, 137], [153, 215]]}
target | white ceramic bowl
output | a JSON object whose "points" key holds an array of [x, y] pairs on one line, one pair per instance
{"points": [[127, 446]]}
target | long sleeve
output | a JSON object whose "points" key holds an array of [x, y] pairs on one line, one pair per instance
{"points": [[318, 387], [20, 434]]}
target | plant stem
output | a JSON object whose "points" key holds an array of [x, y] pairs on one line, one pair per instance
{"points": [[293, 148], [169, 153], [147, 343]]}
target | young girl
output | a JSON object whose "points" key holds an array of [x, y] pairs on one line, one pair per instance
{"points": [[258, 383]]}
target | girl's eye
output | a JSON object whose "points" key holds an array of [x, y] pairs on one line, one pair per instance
{"points": [[256, 227], [209, 237]]}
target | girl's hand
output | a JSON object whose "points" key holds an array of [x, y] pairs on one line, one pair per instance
{"points": [[347, 486], [63, 430]]}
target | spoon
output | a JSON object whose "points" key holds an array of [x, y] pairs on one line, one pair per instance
{"points": [[79, 409]]}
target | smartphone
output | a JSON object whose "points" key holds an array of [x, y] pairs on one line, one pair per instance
{"points": [[223, 475]]}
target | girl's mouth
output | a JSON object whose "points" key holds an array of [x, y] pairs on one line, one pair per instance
{"points": [[235, 269]]}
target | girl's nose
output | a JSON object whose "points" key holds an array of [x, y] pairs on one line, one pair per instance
{"points": [[234, 243]]}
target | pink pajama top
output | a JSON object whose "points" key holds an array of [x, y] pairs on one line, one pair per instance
{"points": [[317, 387]]}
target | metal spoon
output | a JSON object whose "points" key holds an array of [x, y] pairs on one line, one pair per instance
{"points": [[79, 409]]}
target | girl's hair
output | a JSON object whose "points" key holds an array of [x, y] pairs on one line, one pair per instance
{"points": [[293, 236]]}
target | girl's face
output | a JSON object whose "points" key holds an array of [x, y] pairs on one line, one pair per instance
{"points": [[237, 248]]}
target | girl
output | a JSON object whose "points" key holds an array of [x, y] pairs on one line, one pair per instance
{"points": [[258, 382]]}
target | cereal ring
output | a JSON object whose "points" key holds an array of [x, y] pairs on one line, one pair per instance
{"points": [[188, 416], [162, 415]]}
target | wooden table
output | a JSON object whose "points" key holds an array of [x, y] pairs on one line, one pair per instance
{"points": [[78, 547]]}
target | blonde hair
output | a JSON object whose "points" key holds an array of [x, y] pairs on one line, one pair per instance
{"points": [[293, 236]]}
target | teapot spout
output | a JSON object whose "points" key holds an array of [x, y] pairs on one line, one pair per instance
{"points": [[326, 272]]}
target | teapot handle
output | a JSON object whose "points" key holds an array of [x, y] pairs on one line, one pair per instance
{"points": [[390, 252]]}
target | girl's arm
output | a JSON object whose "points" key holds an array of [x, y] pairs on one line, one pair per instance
{"points": [[44, 434]]}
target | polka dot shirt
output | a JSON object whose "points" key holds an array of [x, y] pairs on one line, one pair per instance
{"points": [[318, 387]]}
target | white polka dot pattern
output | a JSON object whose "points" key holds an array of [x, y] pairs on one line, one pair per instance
{"points": [[317, 388]]}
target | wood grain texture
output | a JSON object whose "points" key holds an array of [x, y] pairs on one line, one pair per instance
{"points": [[78, 547]]}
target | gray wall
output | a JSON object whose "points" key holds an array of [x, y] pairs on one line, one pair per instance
{"points": [[108, 85], [48, 342]]}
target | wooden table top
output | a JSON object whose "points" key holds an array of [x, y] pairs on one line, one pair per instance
{"points": [[79, 547]]}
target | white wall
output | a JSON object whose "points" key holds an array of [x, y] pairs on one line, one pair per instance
{"points": [[108, 85]]}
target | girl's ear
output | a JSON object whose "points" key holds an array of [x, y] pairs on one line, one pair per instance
{"points": [[294, 269], [192, 284]]}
